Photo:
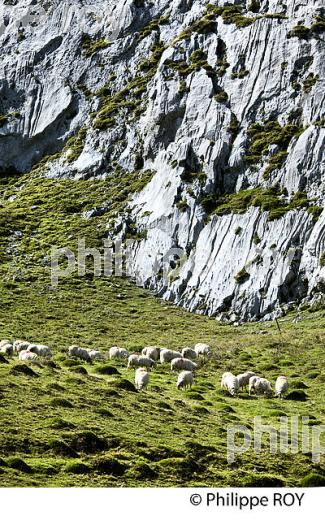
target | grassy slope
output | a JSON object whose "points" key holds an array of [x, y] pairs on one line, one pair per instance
{"points": [[147, 433], [161, 437]]}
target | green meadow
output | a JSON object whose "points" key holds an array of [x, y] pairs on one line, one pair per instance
{"points": [[71, 423]]}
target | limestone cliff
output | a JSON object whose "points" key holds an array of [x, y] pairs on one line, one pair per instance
{"points": [[223, 102]]}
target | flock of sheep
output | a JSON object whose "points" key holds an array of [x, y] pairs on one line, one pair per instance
{"points": [[179, 361], [255, 384]]}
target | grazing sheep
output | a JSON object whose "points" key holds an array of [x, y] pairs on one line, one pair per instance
{"points": [[95, 355], [189, 353], [133, 360], [78, 352], [229, 382], [151, 352], [136, 360], [40, 350], [224, 378], [20, 345], [184, 380], [7, 349], [182, 364], [4, 342], [141, 378], [260, 385], [167, 355], [25, 355], [251, 383], [118, 353], [144, 361], [243, 379], [281, 386], [202, 349]]}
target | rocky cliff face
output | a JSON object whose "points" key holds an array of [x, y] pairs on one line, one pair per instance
{"points": [[222, 102]]}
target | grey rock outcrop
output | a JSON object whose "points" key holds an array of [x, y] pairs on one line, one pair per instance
{"points": [[175, 87]]}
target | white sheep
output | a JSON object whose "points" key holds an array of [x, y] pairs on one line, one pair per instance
{"points": [[243, 379], [20, 345], [260, 385], [144, 361], [151, 352], [224, 378], [118, 353], [182, 364], [202, 349], [7, 349], [189, 353], [136, 360], [133, 360], [141, 378], [40, 350], [95, 355], [281, 386], [184, 380], [78, 352], [166, 355], [24, 355], [230, 383], [4, 342], [251, 383]]}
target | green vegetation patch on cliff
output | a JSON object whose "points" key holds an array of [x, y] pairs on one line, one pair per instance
{"points": [[267, 199], [90, 46], [129, 99], [263, 135]]}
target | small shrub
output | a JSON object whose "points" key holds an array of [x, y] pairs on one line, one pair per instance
{"points": [[221, 97], [79, 468], [106, 370], [90, 46], [233, 127], [109, 466], [19, 465], [318, 27], [61, 402], [184, 467], [297, 395], [238, 230], [87, 442], [18, 370], [242, 276], [313, 480], [300, 385], [124, 384], [194, 395], [299, 31], [254, 6], [60, 424], [75, 145], [182, 205], [322, 259], [256, 239], [264, 481], [309, 82], [142, 471], [79, 370], [201, 410], [70, 362], [313, 375], [104, 412]]}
